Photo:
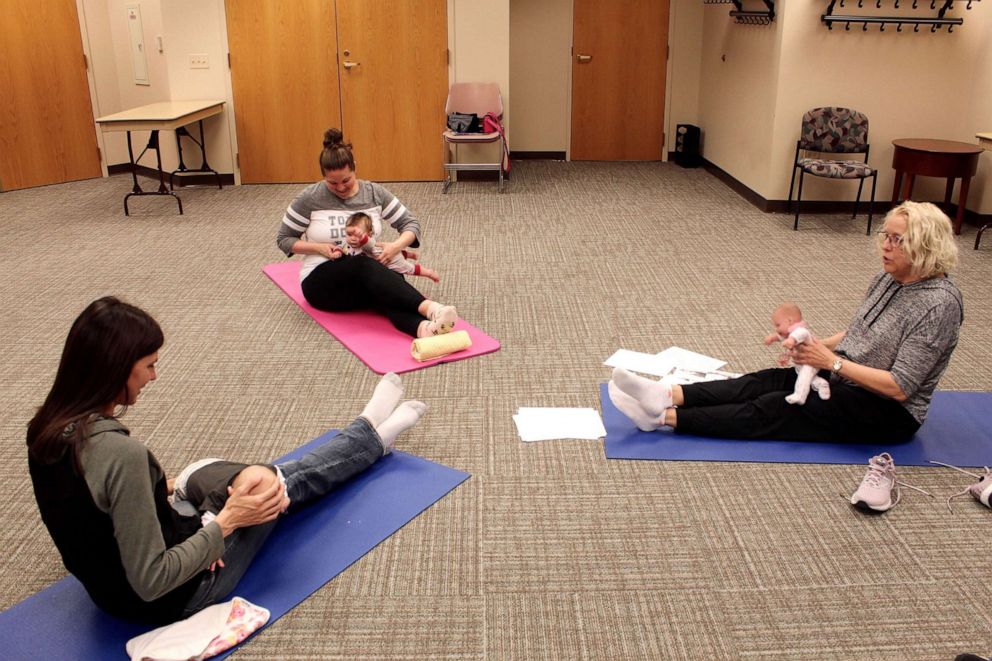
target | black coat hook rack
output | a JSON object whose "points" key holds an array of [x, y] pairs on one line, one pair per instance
{"points": [[935, 22], [748, 16]]}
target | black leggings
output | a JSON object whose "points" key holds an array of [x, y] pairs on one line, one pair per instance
{"points": [[360, 283], [754, 407]]}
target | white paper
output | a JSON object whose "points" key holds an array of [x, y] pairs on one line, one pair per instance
{"points": [[690, 360], [545, 423], [682, 376], [645, 363]]}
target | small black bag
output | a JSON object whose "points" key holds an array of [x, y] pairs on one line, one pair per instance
{"points": [[461, 122]]}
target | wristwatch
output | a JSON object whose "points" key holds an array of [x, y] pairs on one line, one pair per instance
{"points": [[835, 368]]}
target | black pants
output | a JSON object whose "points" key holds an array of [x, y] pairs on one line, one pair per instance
{"points": [[360, 283], [754, 406]]}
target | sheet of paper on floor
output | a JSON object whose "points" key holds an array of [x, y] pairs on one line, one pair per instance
{"points": [[644, 363], [690, 360], [548, 423], [682, 376]]}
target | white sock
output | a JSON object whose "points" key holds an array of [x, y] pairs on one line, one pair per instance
{"points": [[630, 408], [405, 416], [441, 320], [432, 309], [653, 396], [385, 397]]}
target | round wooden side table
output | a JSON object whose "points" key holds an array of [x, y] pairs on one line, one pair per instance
{"points": [[935, 158]]}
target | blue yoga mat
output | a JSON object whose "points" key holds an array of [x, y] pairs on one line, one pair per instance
{"points": [[305, 551], [958, 430]]}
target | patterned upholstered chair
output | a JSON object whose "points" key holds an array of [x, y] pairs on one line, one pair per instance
{"points": [[833, 131]]}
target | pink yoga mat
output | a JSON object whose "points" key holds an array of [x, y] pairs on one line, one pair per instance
{"points": [[369, 335]]}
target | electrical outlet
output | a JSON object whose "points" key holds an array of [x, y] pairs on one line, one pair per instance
{"points": [[198, 61]]}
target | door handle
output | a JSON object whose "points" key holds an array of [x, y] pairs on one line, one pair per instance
{"points": [[583, 59], [351, 65]]}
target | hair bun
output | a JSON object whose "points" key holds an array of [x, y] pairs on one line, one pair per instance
{"points": [[333, 137]]}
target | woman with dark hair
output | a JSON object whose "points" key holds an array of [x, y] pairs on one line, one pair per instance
{"points": [[314, 226], [104, 497]]}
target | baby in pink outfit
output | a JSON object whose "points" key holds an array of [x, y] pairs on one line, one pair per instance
{"points": [[790, 330], [359, 240]]}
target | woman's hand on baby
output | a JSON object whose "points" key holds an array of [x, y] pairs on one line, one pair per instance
{"points": [[244, 508], [389, 251], [813, 352], [330, 251]]}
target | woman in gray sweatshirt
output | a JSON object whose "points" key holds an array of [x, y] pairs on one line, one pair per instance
{"points": [[883, 369], [104, 497]]}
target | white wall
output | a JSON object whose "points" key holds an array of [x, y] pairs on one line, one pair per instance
{"points": [[199, 26], [933, 85], [540, 68], [685, 39], [480, 52]]}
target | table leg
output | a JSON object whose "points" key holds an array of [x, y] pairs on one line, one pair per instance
{"points": [[895, 187], [907, 191], [162, 190], [948, 190], [962, 202]]}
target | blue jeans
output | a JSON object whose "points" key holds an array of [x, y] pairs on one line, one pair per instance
{"points": [[315, 474]]}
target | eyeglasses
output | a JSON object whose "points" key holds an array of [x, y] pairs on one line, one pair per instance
{"points": [[895, 240]]}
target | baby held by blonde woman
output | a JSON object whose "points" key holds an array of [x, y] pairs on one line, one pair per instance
{"points": [[791, 330]]}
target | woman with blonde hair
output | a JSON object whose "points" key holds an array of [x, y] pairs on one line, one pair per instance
{"points": [[882, 370]]}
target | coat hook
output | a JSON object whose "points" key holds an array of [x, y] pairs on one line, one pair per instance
{"points": [[933, 28], [897, 4], [899, 27], [916, 28], [878, 4], [914, 3], [881, 27], [864, 27], [950, 29], [933, 4], [847, 26], [968, 6], [860, 3]]}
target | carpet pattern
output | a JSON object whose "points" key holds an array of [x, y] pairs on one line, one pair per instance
{"points": [[550, 551]]}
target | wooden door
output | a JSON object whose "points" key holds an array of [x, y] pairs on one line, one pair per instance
{"points": [[619, 61], [47, 134], [284, 77], [394, 83]]}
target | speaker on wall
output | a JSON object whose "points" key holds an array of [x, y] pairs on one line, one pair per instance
{"points": [[687, 146]]}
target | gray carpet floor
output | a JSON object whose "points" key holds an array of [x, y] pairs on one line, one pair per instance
{"points": [[549, 551]]}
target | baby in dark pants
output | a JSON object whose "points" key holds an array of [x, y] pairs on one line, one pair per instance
{"points": [[206, 483]]}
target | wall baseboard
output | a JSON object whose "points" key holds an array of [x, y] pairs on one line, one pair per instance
{"points": [[539, 155], [880, 208], [480, 175], [181, 181]]}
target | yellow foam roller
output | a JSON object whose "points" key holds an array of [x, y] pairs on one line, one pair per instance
{"points": [[425, 348]]}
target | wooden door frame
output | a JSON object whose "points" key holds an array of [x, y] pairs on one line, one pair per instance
{"points": [[91, 83], [668, 85]]}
